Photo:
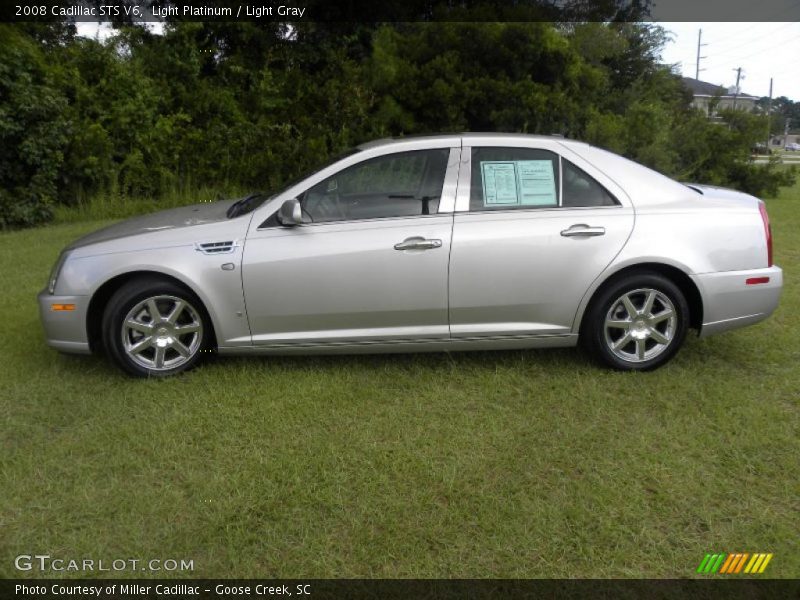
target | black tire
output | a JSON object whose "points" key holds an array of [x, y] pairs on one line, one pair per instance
{"points": [[122, 342], [645, 349]]}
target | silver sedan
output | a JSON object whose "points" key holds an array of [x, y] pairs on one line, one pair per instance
{"points": [[450, 242]]}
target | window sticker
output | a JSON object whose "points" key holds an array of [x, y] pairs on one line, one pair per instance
{"points": [[499, 183], [518, 182], [537, 182]]}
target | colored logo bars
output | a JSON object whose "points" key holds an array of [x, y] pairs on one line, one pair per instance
{"points": [[732, 564]]}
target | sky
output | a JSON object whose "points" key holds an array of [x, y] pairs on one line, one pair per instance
{"points": [[763, 50]]}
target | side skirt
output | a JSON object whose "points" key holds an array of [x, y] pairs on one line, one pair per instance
{"points": [[411, 346]]}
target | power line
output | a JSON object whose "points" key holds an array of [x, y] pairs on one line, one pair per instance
{"points": [[732, 35], [758, 38], [757, 52]]}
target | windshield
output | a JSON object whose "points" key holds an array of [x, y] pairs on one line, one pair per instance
{"points": [[252, 201]]}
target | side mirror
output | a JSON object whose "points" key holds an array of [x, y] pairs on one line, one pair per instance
{"points": [[290, 213]]}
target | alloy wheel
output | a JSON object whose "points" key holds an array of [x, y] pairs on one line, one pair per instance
{"points": [[640, 325], [162, 332]]}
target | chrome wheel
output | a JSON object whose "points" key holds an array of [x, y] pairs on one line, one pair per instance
{"points": [[640, 325], [162, 333]]}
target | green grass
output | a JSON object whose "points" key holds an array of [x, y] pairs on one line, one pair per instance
{"points": [[507, 464], [116, 206]]}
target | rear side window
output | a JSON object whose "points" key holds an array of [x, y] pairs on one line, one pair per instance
{"points": [[513, 178], [579, 189], [524, 178]]}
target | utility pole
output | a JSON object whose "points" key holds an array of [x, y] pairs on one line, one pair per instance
{"points": [[697, 68], [736, 91], [769, 120]]}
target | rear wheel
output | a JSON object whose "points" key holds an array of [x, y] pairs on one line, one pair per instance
{"points": [[155, 328], [636, 323]]}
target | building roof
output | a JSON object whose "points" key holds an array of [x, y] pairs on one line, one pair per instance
{"points": [[703, 88]]}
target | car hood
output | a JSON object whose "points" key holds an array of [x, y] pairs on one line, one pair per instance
{"points": [[175, 218]]}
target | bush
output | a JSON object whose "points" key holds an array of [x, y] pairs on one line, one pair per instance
{"points": [[33, 132], [213, 105], [762, 180], [719, 153]]}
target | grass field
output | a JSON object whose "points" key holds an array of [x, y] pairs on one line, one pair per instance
{"points": [[508, 464]]}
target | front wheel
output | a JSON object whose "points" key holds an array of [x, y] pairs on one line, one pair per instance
{"points": [[637, 323], [154, 328]]}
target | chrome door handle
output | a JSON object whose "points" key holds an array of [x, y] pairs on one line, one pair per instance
{"points": [[583, 230], [418, 243]]}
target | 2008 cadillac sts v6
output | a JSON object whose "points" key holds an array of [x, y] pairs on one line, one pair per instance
{"points": [[450, 242]]}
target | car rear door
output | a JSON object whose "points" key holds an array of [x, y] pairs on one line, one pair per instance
{"points": [[534, 226]]}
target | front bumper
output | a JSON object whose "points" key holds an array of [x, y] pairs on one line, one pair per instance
{"points": [[65, 330], [730, 302]]}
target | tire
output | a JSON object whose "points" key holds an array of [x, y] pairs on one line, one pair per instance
{"points": [[155, 328], [641, 341]]}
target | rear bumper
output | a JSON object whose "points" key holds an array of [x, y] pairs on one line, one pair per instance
{"points": [[65, 330], [729, 302]]}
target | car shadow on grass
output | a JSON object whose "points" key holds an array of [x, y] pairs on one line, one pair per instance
{"points": [[419, 361], [696, 355]]}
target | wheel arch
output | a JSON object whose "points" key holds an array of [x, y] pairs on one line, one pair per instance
{"points": [[676, 274], [101, 296]]}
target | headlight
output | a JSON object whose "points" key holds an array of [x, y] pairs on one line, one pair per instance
{"points": [[51, 286]]}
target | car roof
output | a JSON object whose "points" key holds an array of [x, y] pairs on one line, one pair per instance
{"points": [[466, 136]]}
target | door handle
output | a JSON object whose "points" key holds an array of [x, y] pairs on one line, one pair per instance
{"points": [[418, 243], [583, 230]]}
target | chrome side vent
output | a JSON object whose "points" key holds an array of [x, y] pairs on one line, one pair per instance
{"points": [[216, 247]]}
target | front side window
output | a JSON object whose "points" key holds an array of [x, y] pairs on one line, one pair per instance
{"points": [[404, 184], [509, 178]]}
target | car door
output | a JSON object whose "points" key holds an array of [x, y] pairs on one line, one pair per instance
{"points": [[368, 266], [532, 231]]}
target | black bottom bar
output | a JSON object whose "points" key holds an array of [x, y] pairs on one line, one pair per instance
{"points": [[379, 589]]}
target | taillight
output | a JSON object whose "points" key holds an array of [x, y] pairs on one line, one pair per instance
{"points": [[762, 208]]}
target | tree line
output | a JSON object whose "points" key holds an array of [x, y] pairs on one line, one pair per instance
{"points": [[247, 105]]}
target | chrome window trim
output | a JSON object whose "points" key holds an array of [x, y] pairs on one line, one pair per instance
{"points": [[516, 211], [464, 180], [354, 222], [447, 199]]}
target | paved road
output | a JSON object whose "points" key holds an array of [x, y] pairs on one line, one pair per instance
{"points": [[785, 159]]}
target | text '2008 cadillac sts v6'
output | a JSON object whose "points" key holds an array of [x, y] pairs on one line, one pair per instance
{"points": [[449, 242]]}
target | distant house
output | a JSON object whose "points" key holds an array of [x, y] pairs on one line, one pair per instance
{"points": [[711, 98], [783, 140]]}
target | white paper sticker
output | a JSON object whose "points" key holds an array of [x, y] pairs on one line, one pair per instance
{"points": [[499, 183], [518, 182], [537, 182]]}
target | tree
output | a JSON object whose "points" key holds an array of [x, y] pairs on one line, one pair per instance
{"points": [[254, 104], [33, 131]]}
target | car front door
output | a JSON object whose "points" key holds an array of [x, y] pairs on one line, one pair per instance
{"points": [[369, 265], [532, 231]]}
